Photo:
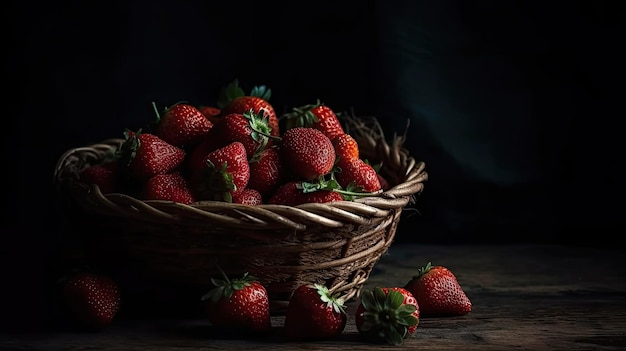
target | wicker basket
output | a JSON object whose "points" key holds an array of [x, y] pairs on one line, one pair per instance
{"points": [[336, 243]]}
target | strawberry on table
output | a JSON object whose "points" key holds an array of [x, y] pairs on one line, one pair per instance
{"points": [[240, 304], [144, 155], [92, 299], [388, 314], [318, 116], [313, 313], [181, 125], [307, 152], [169, 186], [438, 292]]}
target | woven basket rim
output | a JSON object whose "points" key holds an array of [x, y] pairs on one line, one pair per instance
{"points": [[366, 131]]}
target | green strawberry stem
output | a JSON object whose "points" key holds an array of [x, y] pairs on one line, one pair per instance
{"points": [[331, 299], [232, 91], [225, 287], [332, 185], [158, 114], [302, 116], [423, 270], [261, 131], [386, 317]]}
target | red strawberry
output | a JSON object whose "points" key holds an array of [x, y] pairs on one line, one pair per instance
{"points": [[384, 183], [314, 313], [169, 186], [144, 155], [224, 171], [387, 315], [318, 116], [346, 148], [266, 171], [181, 125], [357, 174], [292, 194], [307, 152], [233, 99], [93, 300], [249, 128], [239, 304], [438, 292], [196, 154], [250, 197], [104, 175], [211, 113]]}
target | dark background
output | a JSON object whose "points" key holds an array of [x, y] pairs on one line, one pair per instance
{"points": [[515, 106]]}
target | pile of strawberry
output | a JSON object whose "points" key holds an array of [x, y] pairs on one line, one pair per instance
{"points": [[238, 151], [383, 315]]}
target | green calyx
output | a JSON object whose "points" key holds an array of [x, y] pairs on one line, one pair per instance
{"points": [[302, 116], [128, 150], [261, 130], [331, 300], [224, 287], [350, 193], [218, 183], [423, 270], [232, 91], [386, 316]]}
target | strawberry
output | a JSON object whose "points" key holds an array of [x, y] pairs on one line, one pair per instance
{"points": [[93, 300], [318, 116], [233, 99], [211, 113], [387, 315], [384, 183], [104, 175], [247, 196], [438, 292], [266, 171], [346, 148], [224, 171], [313, 313], [239, 304], [293, 194], [169, 186], [196, 154], [144, 155], [181, 125], [307, 152], [358, 174], [249, 128]]}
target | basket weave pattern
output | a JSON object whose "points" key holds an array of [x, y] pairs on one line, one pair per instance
{"points": [[336, 243]]}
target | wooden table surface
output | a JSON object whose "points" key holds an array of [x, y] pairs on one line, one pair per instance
{"points": [[525, 297]]}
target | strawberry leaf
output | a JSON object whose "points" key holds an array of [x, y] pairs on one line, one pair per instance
{"points": [[261, 91], [229, 93], [302, 116]]}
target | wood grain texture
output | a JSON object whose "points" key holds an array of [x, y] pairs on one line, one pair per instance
{"points": [[524, 297]]}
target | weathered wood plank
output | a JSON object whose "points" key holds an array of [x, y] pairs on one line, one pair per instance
{"points": [[524, 297]]}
